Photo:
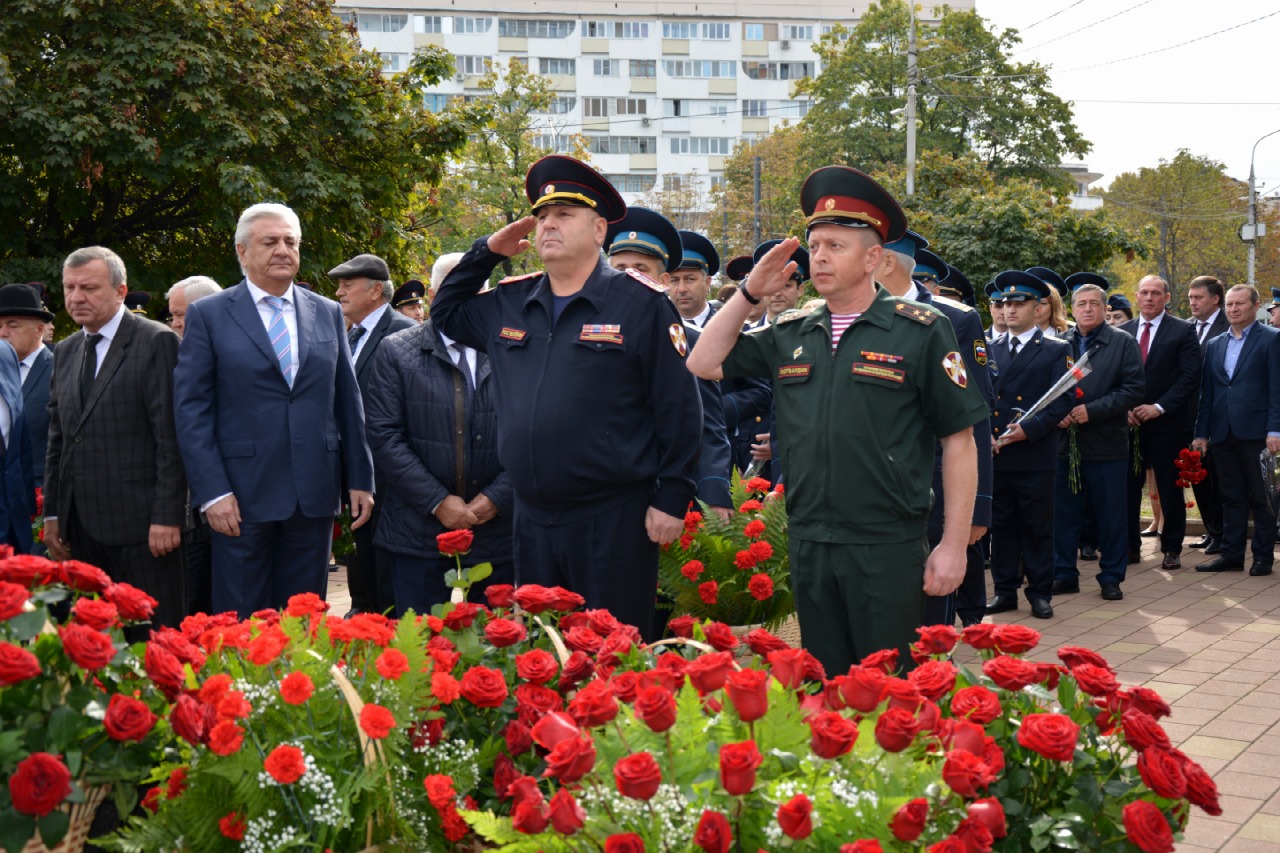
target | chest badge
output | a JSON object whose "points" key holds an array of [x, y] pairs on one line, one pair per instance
{"points": [[953, 364], [678, 339], [601, 333], [797, 352], [882, 357]]}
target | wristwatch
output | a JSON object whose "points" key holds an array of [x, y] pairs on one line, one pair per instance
{"points": [[746, 294]]}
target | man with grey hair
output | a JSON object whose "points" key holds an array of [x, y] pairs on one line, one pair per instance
{"points": [[183, 294], [364, 292], [115, 494], [271, 421]]}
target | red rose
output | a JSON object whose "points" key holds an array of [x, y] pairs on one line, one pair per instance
{"points": [[583, 639], [713, 834], [553, 728], [1147, 828], [1016, 639], [503, 632], [990, 813], [1147, 700], [97, 613], [692, 569], [83, 576], [225, 738], [189, 719], [1141, 731], [681, 626], [1051, 735], [571, 759], [708, 592], [504, 773], [89, 649], [976, 703], [27, 570], [708, 672], [862, 845], [760, 587], [937, 639], [885, 659], [577, 669], [567, 817], [738, 763], [1095, 680], [981, 636], [603, 622], [134, 604], [519, 740], [457, 616], [975, 835], [637, 776], [625, 686], [232, 826], [761, 642], [934, 678], [719, 636], [16, 664], [484, 687], [566, 600], [286, 764], [909, 820], [626, 843], [500, 595], [748, 690], [831, 735], [40, 784], [1162, 773], [962, 734], [1073, 656], [788, 666], [1010, 673], [863, 688], [656, 708], [796, 817], [538, 700], [537, 666], [965, 773], [896, 729], [534, 598], [12, 599], [128, 718], [1201, 789], [376, 721], [451, 543], [594, 705], [164, 668]]}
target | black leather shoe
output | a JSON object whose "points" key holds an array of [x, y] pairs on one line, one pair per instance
{"points": [[1203, 542], [1065, 587], [1260, 569], [1149, 533], [1135, 557], [1088, 552], [1111, 592], [1221, 564], [1002, 604], [1214, 547], [1171, 562], [1041, 609]]}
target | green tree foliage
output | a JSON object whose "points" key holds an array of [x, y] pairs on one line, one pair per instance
{"points": [[972, 96], [783, 154], [147, 126]]}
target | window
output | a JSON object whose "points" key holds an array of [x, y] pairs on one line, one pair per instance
{"points": [[643, 67], [347, 18], [841, 30], [376, 23], [428, 24], [537, 28], [473, 65], [622, 144], [560, 105], [715, 32], [701, 144], [697, 68], [467, 26], [753, 32], [601, 107], [755, 109], [557, 66], [718, 183], [671, 183], [690, 108], [395, 62], [795, 109], [777, 70], [435, 101], [798, 32], [673, 30], [606, 67], [556, 142], [631, 183], [616, 29]]}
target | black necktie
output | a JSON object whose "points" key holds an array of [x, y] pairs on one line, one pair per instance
{"points": [[88, 367], [354, 336], [465, 367], [1013, 348], [1200, 324]]}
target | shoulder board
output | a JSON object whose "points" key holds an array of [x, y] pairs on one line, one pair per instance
{"points": [[915, 311], [512, 279], [796, 313], [952, 303], [646, 281]]}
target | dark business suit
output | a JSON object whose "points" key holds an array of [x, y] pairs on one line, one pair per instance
{"points": [[369, 577], [35, 406], [113, 467], [1208, 496], [17, 483], [1236, 414], [1114, 386], [1172, 372], [280, 450]]}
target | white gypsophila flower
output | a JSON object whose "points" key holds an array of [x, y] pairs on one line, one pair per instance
{"points": [[261, 835]]}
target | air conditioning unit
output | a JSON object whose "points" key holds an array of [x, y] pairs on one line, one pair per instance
{"points": [[457, 78], [645, 121], [786, 43]]}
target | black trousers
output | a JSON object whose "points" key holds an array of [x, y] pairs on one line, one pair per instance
{"points": [[969, 600], [1159, 451], [1243, 492], [1209, 498], [369, 571], [197, 554], [1022, 532]]}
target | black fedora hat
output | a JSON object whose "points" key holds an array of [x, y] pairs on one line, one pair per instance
{"points": [[22, 300]]}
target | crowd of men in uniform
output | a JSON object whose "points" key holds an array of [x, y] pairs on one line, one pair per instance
{"points": [[571, 417]]}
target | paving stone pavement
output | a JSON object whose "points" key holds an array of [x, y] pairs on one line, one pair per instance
{"points": [[1209, 644]]}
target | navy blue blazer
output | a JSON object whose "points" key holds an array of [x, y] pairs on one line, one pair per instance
{"points": [[1018, 385], [18, 494], [1172, 373], [35, 404], [243, 430], [1244, 405]]}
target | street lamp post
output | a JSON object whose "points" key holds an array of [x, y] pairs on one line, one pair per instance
{"points": [[1252, 227], [911, 105]]}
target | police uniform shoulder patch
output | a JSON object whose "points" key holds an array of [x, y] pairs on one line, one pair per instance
{"points": [[915, 311], [512, 279], [678, 338], [980, 352], [645, 280], [954, 303], [953, 365]]}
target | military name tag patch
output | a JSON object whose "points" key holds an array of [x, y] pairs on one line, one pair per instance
{"points": [[879, 371], [678, 339], [980, 352], [793, 371], [882, 357], [511, 334], [953, 364], [602, 333]]}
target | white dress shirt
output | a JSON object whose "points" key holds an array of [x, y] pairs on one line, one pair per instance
{"points": [[108, 332], [24, 366], [700, 321], [454, 348], [368, 324], [265, 311]]}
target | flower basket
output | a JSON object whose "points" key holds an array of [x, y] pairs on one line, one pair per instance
{"points": [[80, 819]]}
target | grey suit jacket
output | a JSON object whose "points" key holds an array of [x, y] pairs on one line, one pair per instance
{"points": [[35, 403]]}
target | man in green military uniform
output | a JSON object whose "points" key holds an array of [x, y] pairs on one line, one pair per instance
{"points": [[863, 386]]}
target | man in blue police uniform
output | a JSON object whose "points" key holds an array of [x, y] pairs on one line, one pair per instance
{"points": [[599, 422], [646, 241], [1026, 462], [903, 274], [408, 300], [865, 384]]}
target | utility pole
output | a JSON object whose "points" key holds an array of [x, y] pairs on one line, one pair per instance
{"points": [[1250, 232], [755, 176], [912, 75]]}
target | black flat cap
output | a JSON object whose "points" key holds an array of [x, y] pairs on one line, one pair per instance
{"points": [[362, 266]]}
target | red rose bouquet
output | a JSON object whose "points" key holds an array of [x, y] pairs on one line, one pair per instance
{"points": [[78, 710]]}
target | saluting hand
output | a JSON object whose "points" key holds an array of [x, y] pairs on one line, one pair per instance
{"points": [[775, 268], [510, 240]]}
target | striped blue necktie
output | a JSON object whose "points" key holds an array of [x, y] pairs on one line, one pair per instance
{"points": [[278, 332]]}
